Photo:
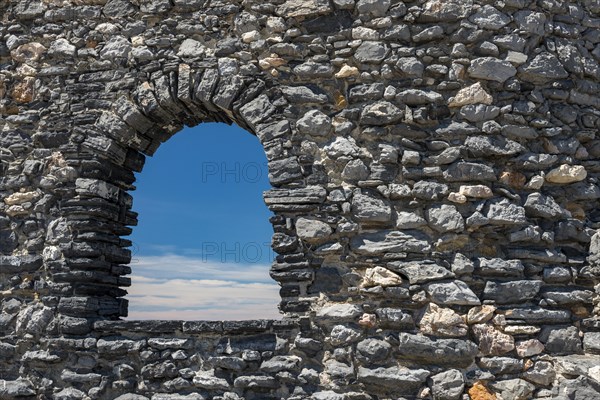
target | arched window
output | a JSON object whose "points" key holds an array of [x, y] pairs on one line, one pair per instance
{"points": [[201, 250]]}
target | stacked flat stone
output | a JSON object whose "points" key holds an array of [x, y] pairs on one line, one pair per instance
{"points": [[434, 165]]}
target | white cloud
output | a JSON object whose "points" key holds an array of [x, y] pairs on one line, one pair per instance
{"points": [[179, 287]]}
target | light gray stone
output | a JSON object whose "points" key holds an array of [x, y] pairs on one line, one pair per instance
{"points": [[303, 8], [368, 208], [405, 381], [342, 335], [386, 241], [420, 271], [445, 218], [339, 311], [411, 67], [488, 17], [314, 123], [355, 170], [517, 389], [381, 113], [449, 293], [445, 10], [447, 385], [311, 229], [376, 8], [414, 97], [117, 47], [503, 212]]}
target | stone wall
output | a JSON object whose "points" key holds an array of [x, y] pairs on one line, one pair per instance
{"points": [[435, 187]]}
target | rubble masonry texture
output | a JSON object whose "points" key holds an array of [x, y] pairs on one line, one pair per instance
{"points": [[434, 165]]}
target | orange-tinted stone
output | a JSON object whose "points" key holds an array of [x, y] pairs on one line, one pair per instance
{"points": [[479, 392]]}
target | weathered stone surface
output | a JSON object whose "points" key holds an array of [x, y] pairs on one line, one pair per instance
{"points": [[368, 208], [297, 8], [373, 350], [492, 341], [591, 342], [566, 174], [314, 123], [465, 172], [394, 318], [514, 292], [381, 113], [490, 68], [405, 381], [340, 311], [474, 94], [445, 218], [454, 352], [488, 17], [443, 11], [538, 205], [391, 242], [528, 348], [371, 52], [561, 340], [543, 68], [312, 229], [344, 335], [542, 373], [456, 292], [447, 385], [503, 212], [420, 272], [377, 8], [482, 146], [517, 389], [438, 321], [470, 128], [379, 276], [16, 388]]}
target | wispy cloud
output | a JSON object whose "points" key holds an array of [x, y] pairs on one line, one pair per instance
{"points": [[179, 287]]}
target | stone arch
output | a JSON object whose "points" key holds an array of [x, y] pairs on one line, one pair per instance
{"points": [[435, 187]]}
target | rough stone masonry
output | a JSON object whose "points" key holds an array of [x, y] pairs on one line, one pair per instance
{"points": [[434, 164]]}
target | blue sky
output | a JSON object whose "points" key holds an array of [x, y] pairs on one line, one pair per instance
{"points": [[201, 247]]}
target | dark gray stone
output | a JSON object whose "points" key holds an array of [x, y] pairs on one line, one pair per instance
{"points": [[539, 205], [493, 69], [514, 292], [561, 340], [443, 352], [404, 381], [545, 67], [371, 52], [373, 350]]}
